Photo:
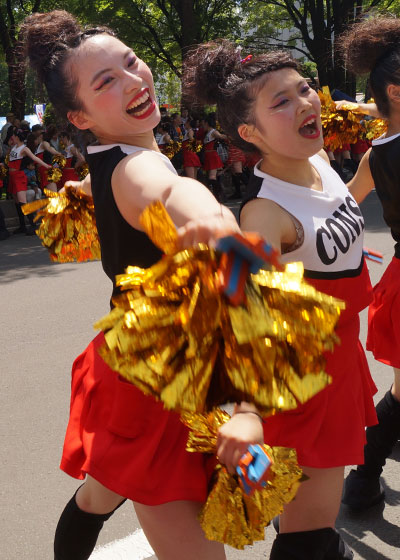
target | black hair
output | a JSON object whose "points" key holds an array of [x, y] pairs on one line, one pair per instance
{"points": [[373, 46], [215, 73], [49, 41]]}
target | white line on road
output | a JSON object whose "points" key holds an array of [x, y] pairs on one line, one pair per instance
{"points": [[132, 547]]}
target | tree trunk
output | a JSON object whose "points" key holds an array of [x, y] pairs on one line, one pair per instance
{"points": [[16, 80]]}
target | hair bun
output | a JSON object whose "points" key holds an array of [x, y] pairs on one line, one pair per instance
{"points": [[46, 36], [368, 41], [207, 68]]}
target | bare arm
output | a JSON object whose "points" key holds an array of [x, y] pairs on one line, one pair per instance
{"points": [[269, 220], [367, 108], [85, 185], [27, 152], [362, 183], [143, 177], [49, 148], [78, 155], [218, 136]]}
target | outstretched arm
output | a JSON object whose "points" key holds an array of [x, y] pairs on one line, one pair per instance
{"points": [[362, 183], [142, 178]]}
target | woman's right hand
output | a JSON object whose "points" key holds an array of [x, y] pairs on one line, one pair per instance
{"points": [[207, 230]]}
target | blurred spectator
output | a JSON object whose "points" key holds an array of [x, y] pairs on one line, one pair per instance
{"points": [[9, 122]]}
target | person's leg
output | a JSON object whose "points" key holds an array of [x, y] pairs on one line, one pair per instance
{"points": [[306, 526], [190, 172], [362, 487], [317, 501], [82, 520], [22, 198], [174, 532], [213, 184]]}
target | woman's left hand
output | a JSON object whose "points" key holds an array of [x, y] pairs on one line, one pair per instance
{"points": [[235, 436]]}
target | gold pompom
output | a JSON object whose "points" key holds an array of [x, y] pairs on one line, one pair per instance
{"points": [[67, 225], [229, 515], [59, 161], [54, 175], [174, 335]]}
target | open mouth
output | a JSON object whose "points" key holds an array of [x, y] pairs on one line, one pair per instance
{"points": [[310, 128], [141, 106]]}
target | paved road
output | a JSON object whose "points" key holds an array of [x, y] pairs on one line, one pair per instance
{"points": [[47, 311]]}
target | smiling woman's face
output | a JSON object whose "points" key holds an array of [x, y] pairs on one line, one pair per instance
{"points": [[287, 116], [116, 89]]}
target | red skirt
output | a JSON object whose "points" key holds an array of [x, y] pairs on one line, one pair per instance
{"points": [[190, 159], [235, 154], [68, 174], [17, 181], [383, 317], [127, 441], [211, 158], [360, 147], [329, 430], [43, 177]]}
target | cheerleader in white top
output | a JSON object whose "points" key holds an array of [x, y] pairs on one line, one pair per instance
{"points": [[18, 182], [373, 47], [212, 161], [74, 159], [300, 205]]}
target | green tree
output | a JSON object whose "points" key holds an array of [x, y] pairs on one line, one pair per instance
{"points": [[11, 14], [162, 31], [314, 28]]}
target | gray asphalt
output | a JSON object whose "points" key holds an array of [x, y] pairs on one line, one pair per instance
{"points": [[47, 312]]}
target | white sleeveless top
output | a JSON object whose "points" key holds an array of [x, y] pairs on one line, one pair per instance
{"points": [[128, 149], [67, 150], [15, 152], [331, 219], [208, 138]]}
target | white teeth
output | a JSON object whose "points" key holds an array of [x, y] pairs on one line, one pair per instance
{"points": [[139, 101]]}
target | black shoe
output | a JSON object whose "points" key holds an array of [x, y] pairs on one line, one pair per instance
{"points": [[19, 230], [4, 235], [361, 493]]}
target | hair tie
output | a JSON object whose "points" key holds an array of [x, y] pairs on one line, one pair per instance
{"points": [[246, 59]]}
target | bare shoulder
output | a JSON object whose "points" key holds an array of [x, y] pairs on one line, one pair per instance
{"points": [[268, 219], [139, 167], [324, 156]]}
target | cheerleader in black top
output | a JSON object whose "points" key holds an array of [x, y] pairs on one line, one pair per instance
{"points": [[373, 46], [123, 442]]}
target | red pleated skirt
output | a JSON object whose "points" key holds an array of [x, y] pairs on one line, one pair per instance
{"points": [[384, 317], [190, 159], [235, 154], [17, 180], [211, 158], [127, 441], [329, 430], [68, 174]]}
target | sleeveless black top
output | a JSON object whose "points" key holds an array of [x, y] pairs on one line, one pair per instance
{"points": [[121, 244], [384, 162]]}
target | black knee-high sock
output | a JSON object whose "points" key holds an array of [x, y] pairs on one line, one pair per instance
{"points": [[321, 544], [77, 532], [215, 188], [382, 437], [236, 180], [21, 217]]}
